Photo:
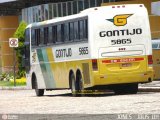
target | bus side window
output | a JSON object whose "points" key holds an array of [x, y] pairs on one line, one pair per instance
{"points": [[33, 40], [37, 36], [27, 35], [27, 50], [66, 32], [50, 35], [58, 33], [54, 33], [41, 36], [81, 29], [86, 29], [76, 31], [71, 31], [46, 35], [62, 33]]}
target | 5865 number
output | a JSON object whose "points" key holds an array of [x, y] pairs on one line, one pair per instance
{"points": [[121, 41], [83, 50]]}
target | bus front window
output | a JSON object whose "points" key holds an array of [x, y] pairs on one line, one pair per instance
{"points": [[27, 51]]}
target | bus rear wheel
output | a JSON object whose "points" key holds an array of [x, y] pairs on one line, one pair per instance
{"points": [[126, 89], [72, 79], [39, 92], [73, 85], [76, 85], [79, 83]]}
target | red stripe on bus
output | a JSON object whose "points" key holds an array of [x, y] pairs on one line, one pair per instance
{"points": [[122, 60]]}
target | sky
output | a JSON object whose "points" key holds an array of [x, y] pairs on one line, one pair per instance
{"points": [[2, 1]]}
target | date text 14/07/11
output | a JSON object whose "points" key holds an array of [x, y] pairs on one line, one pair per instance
{"points": [[138, 116]]}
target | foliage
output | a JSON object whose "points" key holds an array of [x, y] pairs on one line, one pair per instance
{"points": [[20, 34], [4, 77], [10, 83], [21, 81], [5, 83]]}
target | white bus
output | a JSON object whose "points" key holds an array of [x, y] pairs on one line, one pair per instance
{"points": [[99, 48]]}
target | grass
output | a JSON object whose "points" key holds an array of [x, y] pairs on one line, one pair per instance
{"points": [[5, 83], [19, 82]]}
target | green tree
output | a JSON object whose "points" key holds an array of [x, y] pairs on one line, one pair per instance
{"points": [[20, 34]]}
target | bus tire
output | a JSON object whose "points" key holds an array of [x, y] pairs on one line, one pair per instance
{"points": [[39, 92], [79, 84], [73, 86]]}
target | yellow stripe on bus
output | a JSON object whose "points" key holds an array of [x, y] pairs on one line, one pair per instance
{"points": [[51, 62], [50, 54]]}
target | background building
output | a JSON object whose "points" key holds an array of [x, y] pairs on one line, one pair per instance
{"points": [[8, 25], [40, 10]]}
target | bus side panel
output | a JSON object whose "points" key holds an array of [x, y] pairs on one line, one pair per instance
{"points": [[85, 67], [41, 66]]}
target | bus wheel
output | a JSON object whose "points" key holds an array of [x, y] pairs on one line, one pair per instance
{"points": [[39, 92], [73, 85], [80, 86], [72, 78], [80, 83]]}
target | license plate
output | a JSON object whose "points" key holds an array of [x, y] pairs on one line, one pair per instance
{"points": [[126, 64]]}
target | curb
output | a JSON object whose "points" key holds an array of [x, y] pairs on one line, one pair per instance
{"points": [[14, 88], [149, 89], [140, 89]]}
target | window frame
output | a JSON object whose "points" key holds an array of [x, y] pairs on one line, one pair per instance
{"points": [[52, 32]]}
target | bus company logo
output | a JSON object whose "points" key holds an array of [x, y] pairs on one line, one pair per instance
{"points": [[4, 117], [9, 117], [120, 20]]}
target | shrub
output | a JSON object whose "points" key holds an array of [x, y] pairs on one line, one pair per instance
{"points": [[4, 77], [20, 50], [21, 81]]}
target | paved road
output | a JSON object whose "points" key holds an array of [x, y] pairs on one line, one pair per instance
{"points": [[61, 102]]}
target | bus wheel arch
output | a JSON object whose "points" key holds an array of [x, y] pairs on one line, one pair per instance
{"points": [[39, 92]]}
